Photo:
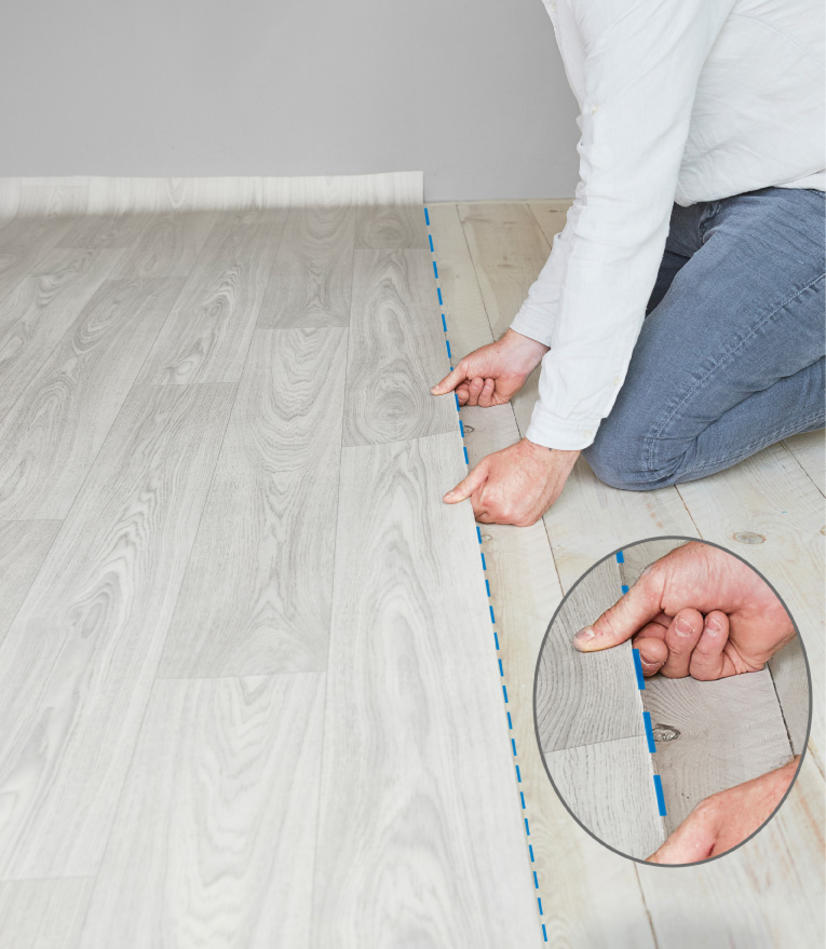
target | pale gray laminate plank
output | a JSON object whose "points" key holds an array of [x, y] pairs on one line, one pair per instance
{"points": [[791, 683], [53, 432], [37, 313], [169, 245], [550, 216], [396, 351], [77, 663], [43, 914], [582, 698], [214, 837], [609, 788], [23, 547], [256, 596], [104, 230], [208, 332], [712, 735], [25, 243], [311, 279], [810, 451], [420, 835], [391, 227]]}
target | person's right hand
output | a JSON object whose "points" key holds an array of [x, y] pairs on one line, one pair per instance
{"points": [[492, 374], [698, 611]]}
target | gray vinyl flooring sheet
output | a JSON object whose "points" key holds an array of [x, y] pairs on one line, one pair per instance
{"points": [[248, 684]]}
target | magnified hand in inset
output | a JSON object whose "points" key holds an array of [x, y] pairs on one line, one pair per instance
{"points": [[698, 611]]}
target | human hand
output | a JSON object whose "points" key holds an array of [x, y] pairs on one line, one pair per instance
{"points": [[727, 818], [698, 611], [516, 485], [492, 374]]}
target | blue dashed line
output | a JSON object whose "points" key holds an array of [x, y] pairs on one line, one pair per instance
{"points": [[620, 557], [624, 589], [487, 585], [658, 787], [649, 732], [638, 669]]}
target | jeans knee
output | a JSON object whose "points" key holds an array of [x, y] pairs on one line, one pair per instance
{"points": [[622, 458]]}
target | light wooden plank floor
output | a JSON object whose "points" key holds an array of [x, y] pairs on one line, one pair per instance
{"points": [[769, 509]]}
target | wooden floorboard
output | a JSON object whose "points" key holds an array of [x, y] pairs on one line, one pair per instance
{"points": [[23, 548], [263, 605], [43, 914], [77, 663], [419, 830], [215, 833]]}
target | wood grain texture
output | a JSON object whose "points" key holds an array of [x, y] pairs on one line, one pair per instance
{"points": [[77, 663], [23, 547], [550, 216], [810, 451], [609, 788], [55, 429], [263, 604], [391, 227], [419, 829], [311, 279], [104, 230], [41, 309], [43, 914], [168, 246], [582, 698], [208, 332], [395, 352], [25, 243], [713, 735], [215, 834]]}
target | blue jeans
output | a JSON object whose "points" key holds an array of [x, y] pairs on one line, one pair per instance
{"points": [[730, 358]]}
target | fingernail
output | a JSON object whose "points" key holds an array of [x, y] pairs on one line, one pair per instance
{"points": [[713, 625], [584, 636], [684, 627]]}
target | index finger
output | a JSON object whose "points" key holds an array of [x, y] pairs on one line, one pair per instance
{"points": [[630, 613]]}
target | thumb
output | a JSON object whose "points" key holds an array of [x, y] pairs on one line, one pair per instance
{"points": [[450, 381], [463, 490], [628, 615]]}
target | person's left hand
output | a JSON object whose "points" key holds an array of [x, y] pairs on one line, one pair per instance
{"points": [[727, 818], [516, 485]]}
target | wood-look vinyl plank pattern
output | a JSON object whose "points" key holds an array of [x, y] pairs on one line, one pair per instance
{"points": [[43, 914], [23, 547], [168, 247], [77, 663], [55, 429], [39, 311], [525, 593], [609, 788], [208, 332], [256, 596], [420, 838], [582, 698], [105, 230], [214, 835], [395, 352], [391, 227], [25, 242], [311, 279], [713, 735]]}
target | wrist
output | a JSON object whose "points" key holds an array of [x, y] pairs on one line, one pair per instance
{"points": [[525, 351]]}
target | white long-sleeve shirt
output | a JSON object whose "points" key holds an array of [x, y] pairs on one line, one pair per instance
{"points": [[679, 100]]}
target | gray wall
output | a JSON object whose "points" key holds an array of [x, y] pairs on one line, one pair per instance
{"points": [[470, 91]]}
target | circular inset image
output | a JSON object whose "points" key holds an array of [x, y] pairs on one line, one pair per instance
{"points": [[672, 701]]}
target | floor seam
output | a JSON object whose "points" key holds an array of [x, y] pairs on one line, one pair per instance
{"points": [[514, 752]]}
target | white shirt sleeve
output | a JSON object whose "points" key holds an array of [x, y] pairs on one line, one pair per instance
{"points": [[641, 63]]}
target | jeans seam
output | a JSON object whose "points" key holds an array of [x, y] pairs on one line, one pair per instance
{"points": [[655, 435]]}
